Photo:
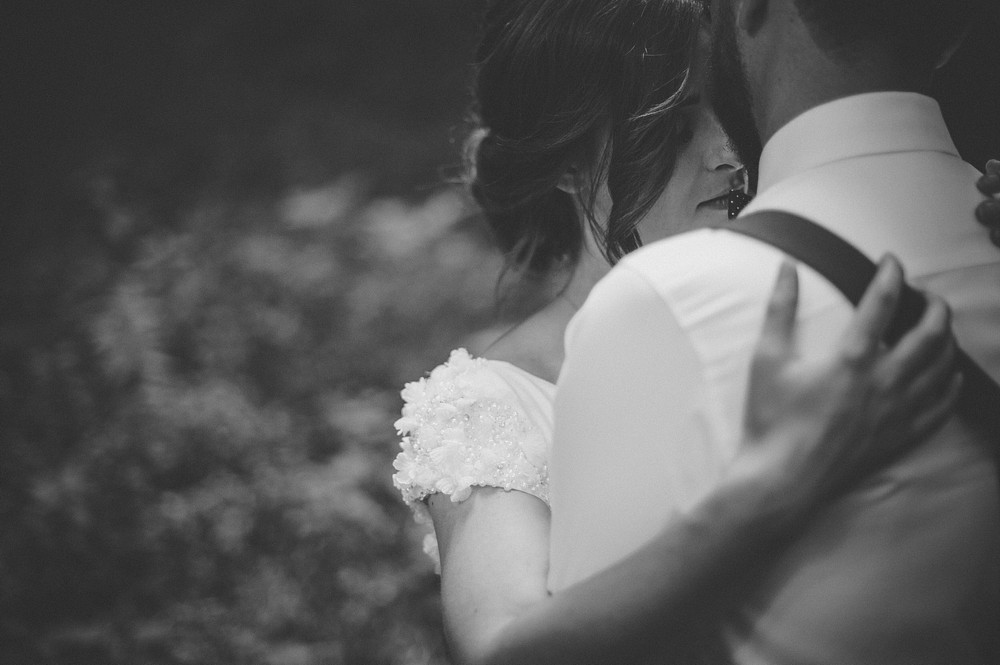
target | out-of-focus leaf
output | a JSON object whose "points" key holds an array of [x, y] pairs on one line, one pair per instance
{"points": [[321, 206]]}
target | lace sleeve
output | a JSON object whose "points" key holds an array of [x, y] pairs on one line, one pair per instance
{"points": [[463, 427]]}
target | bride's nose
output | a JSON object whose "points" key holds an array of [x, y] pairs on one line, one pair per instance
{"points": [[726, 163], [722, 158]]}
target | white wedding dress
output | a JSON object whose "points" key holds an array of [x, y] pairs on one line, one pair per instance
{"points": [[473, 422]]}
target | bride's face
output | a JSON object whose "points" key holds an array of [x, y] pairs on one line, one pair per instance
{"points": [[705, 172]]}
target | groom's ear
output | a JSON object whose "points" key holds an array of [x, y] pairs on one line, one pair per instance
{"points": [[751, 15]]}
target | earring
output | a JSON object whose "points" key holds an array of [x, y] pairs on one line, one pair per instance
{"points": [[739, 194], [737, 200]]}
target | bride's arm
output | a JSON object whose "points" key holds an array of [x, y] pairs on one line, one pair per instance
{"points": [[820, 425], [494, 553]]}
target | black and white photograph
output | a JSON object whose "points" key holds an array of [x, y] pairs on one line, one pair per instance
{"points": [[500, 332]]}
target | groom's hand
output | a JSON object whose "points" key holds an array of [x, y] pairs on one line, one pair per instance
{"points": [[828, 422], [988, 212]]}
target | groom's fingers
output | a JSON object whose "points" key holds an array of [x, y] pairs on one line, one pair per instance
{"points": [[938, 411], [927, 347], [988, 212], [874, 313], [989, 183], [778, 335], [935, 410]]}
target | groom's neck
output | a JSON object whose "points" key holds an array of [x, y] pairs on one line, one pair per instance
{"points": [[804, 76]]}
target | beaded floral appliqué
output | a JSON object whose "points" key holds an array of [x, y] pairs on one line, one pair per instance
{"points": [[461, 428]]}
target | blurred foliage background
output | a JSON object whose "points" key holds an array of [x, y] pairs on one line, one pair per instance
{"points": [[229, 244], [227, 241]]}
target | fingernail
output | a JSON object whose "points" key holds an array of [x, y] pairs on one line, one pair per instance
{"points": [[883, 268], [993, 166]]}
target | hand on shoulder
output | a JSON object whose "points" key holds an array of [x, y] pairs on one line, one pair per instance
{"points": [[815, 427]]}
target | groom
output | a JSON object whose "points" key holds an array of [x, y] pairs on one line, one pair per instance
{"points": [[904, 568]]}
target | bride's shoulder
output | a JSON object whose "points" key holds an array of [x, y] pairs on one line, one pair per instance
{"points": [[472, 421], [460, 381], [467, 387]]}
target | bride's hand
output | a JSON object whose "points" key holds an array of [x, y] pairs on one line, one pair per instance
{"points": [[988, 212], [815, 426]]}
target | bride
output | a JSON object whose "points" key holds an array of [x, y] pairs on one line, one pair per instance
{"points": [[588, 112]]}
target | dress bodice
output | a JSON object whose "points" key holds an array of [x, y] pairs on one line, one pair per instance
{"points": [[473, 422]]}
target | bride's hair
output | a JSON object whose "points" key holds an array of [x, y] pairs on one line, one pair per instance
{"points": [[560, 83]]}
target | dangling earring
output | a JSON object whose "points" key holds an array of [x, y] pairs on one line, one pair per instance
{"points": [[739, 195], [737, 200]]}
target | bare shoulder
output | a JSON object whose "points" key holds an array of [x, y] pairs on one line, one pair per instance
{"points": [[535, 344]]}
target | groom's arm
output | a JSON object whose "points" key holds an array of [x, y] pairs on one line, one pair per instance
{"points": [[631, 435]]}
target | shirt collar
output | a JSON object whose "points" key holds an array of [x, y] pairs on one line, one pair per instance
{"points": [[866, 124]]}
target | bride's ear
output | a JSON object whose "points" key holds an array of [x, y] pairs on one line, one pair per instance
{"points": [[569, 181]]}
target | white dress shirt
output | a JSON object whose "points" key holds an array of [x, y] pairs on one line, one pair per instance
{"points": [[906, 567]]}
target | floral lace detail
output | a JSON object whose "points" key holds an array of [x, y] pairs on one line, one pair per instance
{"points": [[462, 428]]}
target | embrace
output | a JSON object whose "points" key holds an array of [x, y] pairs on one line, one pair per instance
{"points": [[697, 451]]}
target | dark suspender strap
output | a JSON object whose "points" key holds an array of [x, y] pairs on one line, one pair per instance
{"points": [[851, 271]]}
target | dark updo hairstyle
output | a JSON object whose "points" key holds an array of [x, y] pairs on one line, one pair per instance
{"points": [[563, 82]]}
